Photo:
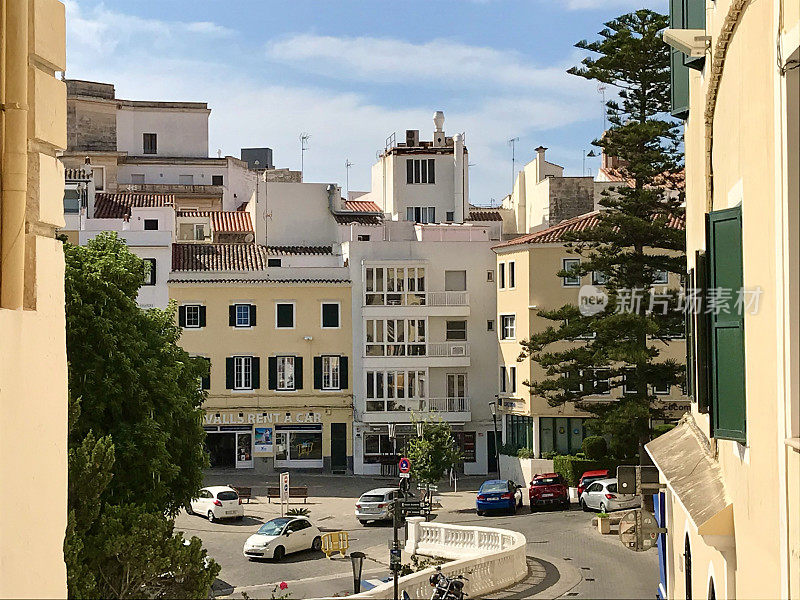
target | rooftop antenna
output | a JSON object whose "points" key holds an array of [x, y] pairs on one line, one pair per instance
{"points": [[347, 165], [513, 143], [304, 137], [601, 89]]}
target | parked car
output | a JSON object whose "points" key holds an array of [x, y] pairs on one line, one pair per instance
{"points": [[278, 537], [217, 502], [376, 505], [548, 488], [498, 494], [602, 495], [590, 476]]}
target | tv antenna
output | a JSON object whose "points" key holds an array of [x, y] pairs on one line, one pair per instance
{"points": [[304, 137], [601, 89], [347, 165], [513, 143]]}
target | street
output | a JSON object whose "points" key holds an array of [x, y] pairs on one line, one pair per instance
{"points": [[589, 565]]}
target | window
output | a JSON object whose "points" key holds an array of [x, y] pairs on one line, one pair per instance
{"points": [[242, 315], [490, 325], [242, 372], [216, 180], [284, 315], [137, 178], [330, 372], [599, 278], [394, 286], [661, 389], [450, 216], [199, 232], [502, 283], [503, 380], [420, 170], [395, 390], [149, 143], [330, 315], [512, 274], [508, 327], [512, 379], [395, 337], [601, 382], [186, 179], [362, 237], [567, 264], [455, 281], [149, 271], [456, 385], [99, 178], [151, 224], [421, 214], [629, 382], [205, 380], [274, 262], [375, 446], [456, 331], [490, 276], [661, 278], [286, 373], [72, 201], [192, 316]]}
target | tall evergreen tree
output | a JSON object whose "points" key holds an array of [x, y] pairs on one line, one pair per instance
{"points": [[640, 234]]}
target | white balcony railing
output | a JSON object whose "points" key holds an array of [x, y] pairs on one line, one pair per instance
{"points": [[454, 349], [416, 299], [451, 404], [448, 299]]}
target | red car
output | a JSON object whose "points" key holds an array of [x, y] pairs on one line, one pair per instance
{"points": [[590, 476], [548, 488]]}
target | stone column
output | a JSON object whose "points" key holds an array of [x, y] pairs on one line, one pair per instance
{"points": [[413, 534]]}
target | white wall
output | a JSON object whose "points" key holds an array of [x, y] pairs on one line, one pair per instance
{"points": [[181, 132], [299, 215]]}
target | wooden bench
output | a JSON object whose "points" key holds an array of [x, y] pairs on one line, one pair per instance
{"points": [[245, 493], [295, 491]]}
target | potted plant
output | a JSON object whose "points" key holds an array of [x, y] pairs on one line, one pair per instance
{"points": [[603, 523]]}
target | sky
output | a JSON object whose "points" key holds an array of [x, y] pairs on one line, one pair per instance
{"points": [[351, 73]]}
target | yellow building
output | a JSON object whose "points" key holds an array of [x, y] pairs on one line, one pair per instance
{"points": [[526, 284], [733, 518], [279, 342], [33, 368]]}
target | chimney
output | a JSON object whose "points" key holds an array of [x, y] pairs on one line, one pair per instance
{"points": [[439, 138], [540, 163]]}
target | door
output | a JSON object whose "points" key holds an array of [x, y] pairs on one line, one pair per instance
{"points": [[221, 449], [244, 450], [562, 435], [594, 495], [339, 447], [491, 451], [201, 503], [456, 391], [294, 541]]}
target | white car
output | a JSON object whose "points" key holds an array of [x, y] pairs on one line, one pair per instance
{"points": [[602, 495], [376, 505], [217, 502], [284, 535]]}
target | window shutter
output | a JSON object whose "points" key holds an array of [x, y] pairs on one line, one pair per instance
{"points": [[232, 315], [317, 372], [181, 316], [256, 362], [678, 72], [726, 329], [252, 315], [343, 379], [298, 372], [202, 316], [694, 17], [206, 380], [229, 373], [702, 380], [272, 375], [688, 326]]}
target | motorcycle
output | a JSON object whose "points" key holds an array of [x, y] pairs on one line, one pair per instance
{"points": [[444, 587]]}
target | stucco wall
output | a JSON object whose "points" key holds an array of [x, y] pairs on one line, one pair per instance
{"points": [[180, 132]]}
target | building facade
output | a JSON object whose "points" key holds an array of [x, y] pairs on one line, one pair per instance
{"points": [[733, 521], [33, 369]]}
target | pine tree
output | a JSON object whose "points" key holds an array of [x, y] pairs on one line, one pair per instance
{"points": [[640, 233]]}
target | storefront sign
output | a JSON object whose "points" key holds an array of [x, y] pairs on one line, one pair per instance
{"points": [[212, 418], [263, 441]]}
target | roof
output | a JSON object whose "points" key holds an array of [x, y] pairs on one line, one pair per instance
{"points": [[224, 221], [219, 488], [345, 219], [596, 473], [362, 206], [233, 257], [583, 222], [77, 174], [383, 490], [118, 205], [484, 215]]}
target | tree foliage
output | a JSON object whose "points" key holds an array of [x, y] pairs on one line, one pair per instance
{"points": [[435, 453], [639, 234]]}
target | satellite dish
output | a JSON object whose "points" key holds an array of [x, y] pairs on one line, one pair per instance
{"points": [[248, 238]]}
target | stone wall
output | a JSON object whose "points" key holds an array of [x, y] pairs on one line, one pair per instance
{"points": [[570, 197]]}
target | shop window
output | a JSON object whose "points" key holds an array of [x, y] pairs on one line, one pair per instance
{"points": [[304, 447], [284, 315], [376, 445], [242, 315], [192, 316], [465, 442], [456, 331], [330, 315], [568, 264]]}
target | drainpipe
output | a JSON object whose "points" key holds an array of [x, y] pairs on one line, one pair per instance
{"points": [[14, 166]]}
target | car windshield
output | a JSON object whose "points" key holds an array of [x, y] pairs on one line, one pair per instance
{"points": [[371, 498], [227, 496], [273, 527], [545, 481], [494, 486]]}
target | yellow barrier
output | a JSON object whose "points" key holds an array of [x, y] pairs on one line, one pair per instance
{"points": [[337, 541]]}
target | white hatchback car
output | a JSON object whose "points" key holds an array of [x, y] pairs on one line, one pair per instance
{"points": [[217, 502], [602, 495], [284, 535]]}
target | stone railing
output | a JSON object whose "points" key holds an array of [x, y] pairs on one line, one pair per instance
{"points": [[490, 559]]}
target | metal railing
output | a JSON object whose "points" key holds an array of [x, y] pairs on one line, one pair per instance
{"points": [[454, 349], [171, 188], [449, 404], [448, 298]]}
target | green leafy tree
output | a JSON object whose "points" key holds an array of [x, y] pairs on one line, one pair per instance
{"points": [[136, 384], [435, 453], [639, 234]]}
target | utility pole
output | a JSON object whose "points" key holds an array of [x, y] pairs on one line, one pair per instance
{"points": [[512, 142], [347, 165], [304, 137]]}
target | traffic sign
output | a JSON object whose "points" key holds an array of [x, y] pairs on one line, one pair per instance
{"points": [[638, 530], [405, 475], [404, 466]]}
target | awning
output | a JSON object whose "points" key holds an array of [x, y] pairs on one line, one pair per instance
{"points": [[684, 459]]}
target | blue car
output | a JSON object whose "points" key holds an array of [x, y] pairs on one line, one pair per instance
{"points": [[498, 494]]}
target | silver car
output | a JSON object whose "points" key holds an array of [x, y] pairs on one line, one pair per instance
{"points": [[376, 505], [602, 495]]}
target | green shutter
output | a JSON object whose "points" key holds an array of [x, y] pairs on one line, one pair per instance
{"points": [[256, 376], [343, 373], [726, 329], [232, 315], [298, 372], [317, 372], [252, 315], [229, 373], [181, 316], [678, 72], [689, 336], [694, 17], [202, 316], [206, 379], [272, 372], [702, 382]]}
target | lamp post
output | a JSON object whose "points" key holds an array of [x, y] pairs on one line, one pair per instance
{"points": [[357, 560], [493, 408]]}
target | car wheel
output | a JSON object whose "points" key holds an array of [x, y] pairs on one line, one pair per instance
{"points": [[603, 507], [480, 513], [189, 510], [278, 554], [364, 523], [211, 517], [583, 506], [533, 507], [316, 545]]}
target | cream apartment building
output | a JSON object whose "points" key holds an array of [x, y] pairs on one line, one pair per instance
{"points": [[733, 521], [526, 284], [33, 399]]}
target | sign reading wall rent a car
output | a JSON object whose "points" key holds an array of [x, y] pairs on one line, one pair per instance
{"points": [[259, 417]]}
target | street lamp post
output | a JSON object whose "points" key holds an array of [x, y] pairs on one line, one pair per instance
{"points": [[394, 554], [493, 408], [357, 559]]}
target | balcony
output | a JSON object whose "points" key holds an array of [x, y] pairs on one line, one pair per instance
{"points": [[454, 404], [434, 354], [174, 188], [432, 304], [454, 349], [455, 409]]}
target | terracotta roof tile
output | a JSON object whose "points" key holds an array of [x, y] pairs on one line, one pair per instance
{"points": [[118, 206], [290, 250], [362, 206], [484, 215], [233, 257], [346, 219], [224, 221]]}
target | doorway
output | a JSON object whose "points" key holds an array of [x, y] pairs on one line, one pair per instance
{"points": [[339, 447], [491, 450], [221, 449]]}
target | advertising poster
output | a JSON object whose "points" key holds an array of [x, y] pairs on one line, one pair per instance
{"points": [[263, 439]]}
